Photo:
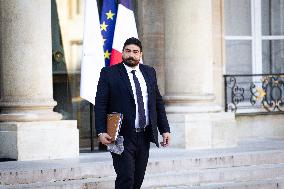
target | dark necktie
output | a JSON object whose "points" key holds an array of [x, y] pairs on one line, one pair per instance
{"points": [[140, 103]]}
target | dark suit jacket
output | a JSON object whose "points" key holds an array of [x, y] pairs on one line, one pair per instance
{"points": [[114, 94]]}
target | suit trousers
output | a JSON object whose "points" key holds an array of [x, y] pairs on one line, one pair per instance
{"points": [[131, 165]]}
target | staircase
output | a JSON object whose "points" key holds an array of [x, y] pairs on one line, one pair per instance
{"points": [[254, 164]]}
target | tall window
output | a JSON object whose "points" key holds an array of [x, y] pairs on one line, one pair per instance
{"points": [[254, 36]]}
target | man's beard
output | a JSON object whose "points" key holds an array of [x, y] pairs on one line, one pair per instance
{"points": [[131, 62]]}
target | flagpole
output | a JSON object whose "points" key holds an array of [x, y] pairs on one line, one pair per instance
{"points": [[92, 59], [91, 126]]}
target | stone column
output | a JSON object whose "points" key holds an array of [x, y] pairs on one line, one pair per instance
{"points": [[189, 62], [151, 31], [26, 64], [26, 93], [190, 102]]}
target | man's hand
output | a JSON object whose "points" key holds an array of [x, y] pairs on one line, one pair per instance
{"points": [[104, 138], [166, 139]]}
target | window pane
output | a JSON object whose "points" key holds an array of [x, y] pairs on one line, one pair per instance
{"points": [[238, 17], [272, 17], [238, 57], [273, 56]]}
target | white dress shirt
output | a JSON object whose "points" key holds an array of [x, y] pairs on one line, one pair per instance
{"points": [[143, 86]]}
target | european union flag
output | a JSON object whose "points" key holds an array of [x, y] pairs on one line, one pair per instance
{"points": [[108, 19]]}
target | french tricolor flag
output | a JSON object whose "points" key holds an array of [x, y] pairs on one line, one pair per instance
{"points": [[125, 28]]}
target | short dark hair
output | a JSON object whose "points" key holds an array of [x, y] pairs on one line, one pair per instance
{"points": [[133, 41]]}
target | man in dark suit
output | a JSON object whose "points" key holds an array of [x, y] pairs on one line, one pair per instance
{"points": [[131, 88]]}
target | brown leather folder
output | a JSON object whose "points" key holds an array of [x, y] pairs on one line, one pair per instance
{"points": [[114, 121]]}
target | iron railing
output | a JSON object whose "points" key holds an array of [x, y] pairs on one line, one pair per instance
{"points": [[263, 93]]}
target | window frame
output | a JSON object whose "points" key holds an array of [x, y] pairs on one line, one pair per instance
{"points": [[256, 37]]}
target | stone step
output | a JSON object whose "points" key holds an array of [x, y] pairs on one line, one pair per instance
{"points": [[249, 161], [218, 175], [91, 184], [159, 162], [189, 178], [257, 184], [88, 183], [199, 161]]}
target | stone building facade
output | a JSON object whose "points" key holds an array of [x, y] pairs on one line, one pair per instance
{"points": [[192, 44]]}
